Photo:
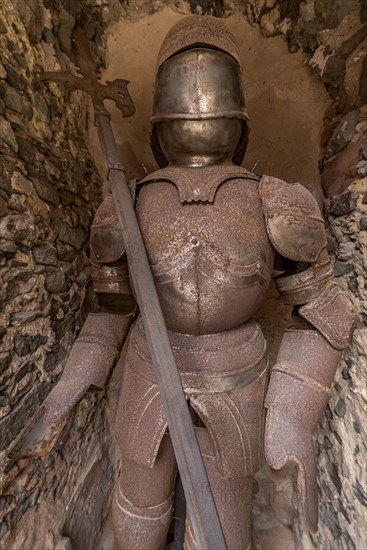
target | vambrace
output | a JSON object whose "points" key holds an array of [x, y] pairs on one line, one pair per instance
{"points": [[93, 354], [300, 383], [323, 303]]}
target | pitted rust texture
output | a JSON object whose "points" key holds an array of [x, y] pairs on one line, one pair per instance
{"points": [[211, 236], [293, 219], [212, 264], [37, 438], [142, 507], [332, 314], [201, 31], [302, 287], [298, 393], [92, 356], [223, 375], [199, 184], [107, 245], [109, 267], [233, 498], [132, 523], [111, 279], [106, 242]]}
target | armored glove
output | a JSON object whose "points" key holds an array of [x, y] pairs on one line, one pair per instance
{"points": [[92, 356], [299, 390]]}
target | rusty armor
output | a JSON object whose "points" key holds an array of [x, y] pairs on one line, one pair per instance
{"points": [[211, 235], [213, 232]]}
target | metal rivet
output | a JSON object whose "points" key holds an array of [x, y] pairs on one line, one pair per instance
{"points": [[196, 192]]}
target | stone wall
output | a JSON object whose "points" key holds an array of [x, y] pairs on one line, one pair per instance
{"points": [[49, 190]]}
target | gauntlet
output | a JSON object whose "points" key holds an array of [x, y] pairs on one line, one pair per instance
{"points": [[93, 354], [299, 389]]}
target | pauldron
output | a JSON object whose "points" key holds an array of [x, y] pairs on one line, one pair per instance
{"points": [[293, 220], [107, 250]]}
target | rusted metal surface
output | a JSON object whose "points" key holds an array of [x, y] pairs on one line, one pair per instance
{"points": [[199, 184], [212, 264], [206, 524], [142, 507], [196, 30], [233, 496], [300, 288], [116, 90], [92, 356], [298, 392], [224, 376], [332, 314], [293, 219], [205, 518], [211, 235], [37, 438]]}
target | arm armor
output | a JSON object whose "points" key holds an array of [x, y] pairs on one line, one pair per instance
{"points": [[107, 252], [100, 341], [93, 354], [301, 379]]}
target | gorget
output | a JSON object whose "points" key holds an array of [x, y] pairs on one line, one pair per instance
{"points": [[198, 184]]}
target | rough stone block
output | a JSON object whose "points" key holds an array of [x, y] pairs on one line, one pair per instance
{"points": [[343, 134], [343, 204], [11, 425]]}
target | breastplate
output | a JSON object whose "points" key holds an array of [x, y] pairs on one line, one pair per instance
{"points": [[207, 245]]}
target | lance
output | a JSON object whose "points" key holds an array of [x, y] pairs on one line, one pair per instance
{"points": [[202, 511]]}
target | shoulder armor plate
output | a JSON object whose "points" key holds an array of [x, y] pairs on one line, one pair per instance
{"points": [[106, 240], [293, 220]]}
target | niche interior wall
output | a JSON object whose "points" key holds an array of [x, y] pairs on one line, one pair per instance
{"points": [[305, 69]]}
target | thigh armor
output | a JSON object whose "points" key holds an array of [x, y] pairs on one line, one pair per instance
{"points": [[224, 377]]}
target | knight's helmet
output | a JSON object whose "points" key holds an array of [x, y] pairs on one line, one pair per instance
{"points": [[199, 99]]}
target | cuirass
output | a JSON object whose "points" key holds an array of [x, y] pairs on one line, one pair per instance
{"points": [[211, 261]]}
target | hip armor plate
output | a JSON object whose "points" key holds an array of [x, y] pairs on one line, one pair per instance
{"points": [[224, 375]]}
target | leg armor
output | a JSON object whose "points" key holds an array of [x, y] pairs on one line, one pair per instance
{"points": [[142, 507], [224, 376], [233, 499]]}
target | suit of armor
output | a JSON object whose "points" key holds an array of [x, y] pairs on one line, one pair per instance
{"points": [[213, 232]]}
